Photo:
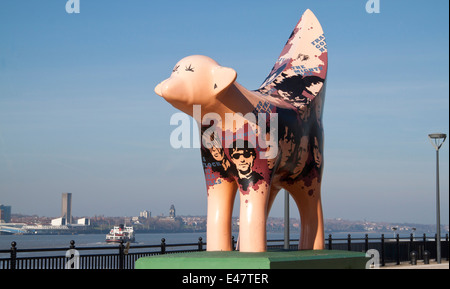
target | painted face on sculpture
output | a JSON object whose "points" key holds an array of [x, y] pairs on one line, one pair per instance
{"points": [[315, 88], [303, 152], [287, 145], [217, 153], [243, 160], [317, 154]]}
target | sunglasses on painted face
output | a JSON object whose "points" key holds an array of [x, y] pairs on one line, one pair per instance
{"points": [[246, 155]]}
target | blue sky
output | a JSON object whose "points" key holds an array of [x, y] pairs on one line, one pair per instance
{"points": [[78, 113]]}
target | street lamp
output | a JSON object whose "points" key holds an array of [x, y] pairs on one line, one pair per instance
{"points": [[437, 140], [394, 229]]}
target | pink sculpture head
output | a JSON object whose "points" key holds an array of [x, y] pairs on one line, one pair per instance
{"points": [[195, 80]]}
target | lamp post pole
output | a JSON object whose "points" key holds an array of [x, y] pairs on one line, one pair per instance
{"points": [[439, 139], [438, 212], [286, 220]]}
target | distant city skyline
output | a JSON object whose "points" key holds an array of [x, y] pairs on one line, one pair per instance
{"points": [[170, 212], [78, 113], [273, 223]]}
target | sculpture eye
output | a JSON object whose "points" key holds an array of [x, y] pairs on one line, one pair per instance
{"points": [[175, 69], [189, 68]]}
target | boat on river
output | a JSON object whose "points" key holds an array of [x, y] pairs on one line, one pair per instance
{"points": [[120, 234]]}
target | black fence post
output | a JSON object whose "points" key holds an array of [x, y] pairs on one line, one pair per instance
{"points": [[366, 243], [424, 242], [200, 244], [383, 261], [349, 242], [436, 245], [163, 246], [446, 246], [121, 255], [426, 257], [398, 248], [12, 264], [411, 243], [330, 242], [232, 243]]}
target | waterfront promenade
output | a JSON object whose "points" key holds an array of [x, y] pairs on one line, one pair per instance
{"points": [[393, 253]]}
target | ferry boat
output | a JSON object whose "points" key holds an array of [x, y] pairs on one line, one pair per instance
{"points": [[120, 233]]}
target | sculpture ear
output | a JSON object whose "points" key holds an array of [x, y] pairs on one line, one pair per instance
{"points": [[223, 77]]}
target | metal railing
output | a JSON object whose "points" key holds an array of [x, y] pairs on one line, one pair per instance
{"points": [[392, 250]]}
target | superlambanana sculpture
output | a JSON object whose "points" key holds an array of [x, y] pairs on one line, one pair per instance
{"points": [[258, 142]]}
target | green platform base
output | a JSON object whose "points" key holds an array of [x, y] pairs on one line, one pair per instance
{"points": [[308, 259]]}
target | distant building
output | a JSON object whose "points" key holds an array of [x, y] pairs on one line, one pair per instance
{"points": [[63, 222], [66, 207], [145, 214], [59, 222], [84, 221], [172, 212], [5, 214]]}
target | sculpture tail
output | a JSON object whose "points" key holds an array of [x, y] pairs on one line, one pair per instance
{"points": [[299, 75]]}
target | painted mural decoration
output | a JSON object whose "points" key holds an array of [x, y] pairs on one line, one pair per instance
{"points": [[257, 142]]}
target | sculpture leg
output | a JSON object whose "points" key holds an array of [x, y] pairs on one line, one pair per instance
{"points": [[310, 208], [220, 208], [252, 220]]}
